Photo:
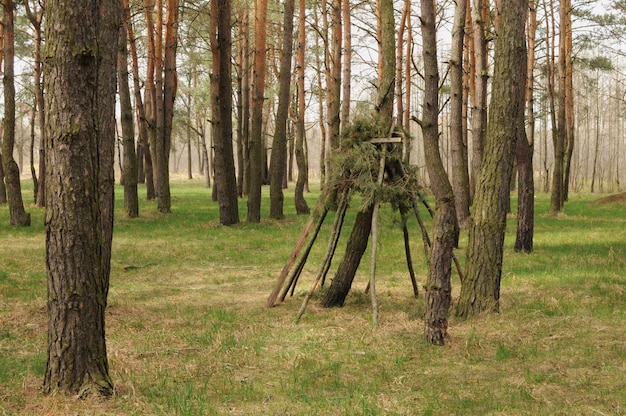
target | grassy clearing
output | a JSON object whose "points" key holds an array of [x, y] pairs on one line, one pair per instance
{"points": [[188, 334]]}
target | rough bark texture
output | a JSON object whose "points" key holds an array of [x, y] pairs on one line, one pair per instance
{"points": [[170, 82], [446, 231], [479, 13], [458, 144], [357, 243], [221, 101], [568, 92], [258, 95], [300, 203], [35, 16], [80, 112], [561, 135], [524, 152], [480, 291], [129, 171], [17, 215], [278, 161], [525, 195]]}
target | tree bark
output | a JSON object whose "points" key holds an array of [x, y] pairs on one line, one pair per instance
{"points": [[300, 203], [458, 144], [17, 215], [333, 84], [560, 133], [480, 291], [80, 138], [221, 101], [568, 92], [144, 158], [357, 243], [258, 97], [524, 152], [446, 231], [129, 171], [278, 161], [170, 83], [35, 17], [480, 14]]}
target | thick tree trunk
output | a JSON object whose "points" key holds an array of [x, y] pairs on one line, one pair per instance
{"points": [[221, 100], [17, 215], [129, 171], [278, 161], [357, 243], [480, 291], [80, 138]]}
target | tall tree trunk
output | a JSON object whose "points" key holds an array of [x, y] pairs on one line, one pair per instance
{"points": [[346, 78], [558, 131], [150, 93], [221, 100], [480, 15], [145, 174], [243, 172], [480, 290], [458, 144], [165, 96], [17, 215], [300, 203], [129, 171], [407, 76], [258, 97], [333, 84], [278, 161], [568, 92], [80, 137], [524, 152], [324, 161], [446, 229], [35, 17]]}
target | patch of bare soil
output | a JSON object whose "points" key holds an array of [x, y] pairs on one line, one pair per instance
{"points": [[611, 199]]}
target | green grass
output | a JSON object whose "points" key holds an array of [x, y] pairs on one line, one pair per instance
{"points": [[188, 333]]}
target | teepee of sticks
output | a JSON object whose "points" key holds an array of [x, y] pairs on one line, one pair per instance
{"points": [[375, 169]]}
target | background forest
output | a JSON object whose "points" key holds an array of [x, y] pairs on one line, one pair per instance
{"points": [[597, 85]]}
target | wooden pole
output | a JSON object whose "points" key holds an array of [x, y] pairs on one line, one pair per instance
{"points": [[321, 204], [372, 286], [332, 245]]}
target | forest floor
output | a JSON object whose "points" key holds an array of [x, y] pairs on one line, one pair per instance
{"points": [[188, 332]]}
